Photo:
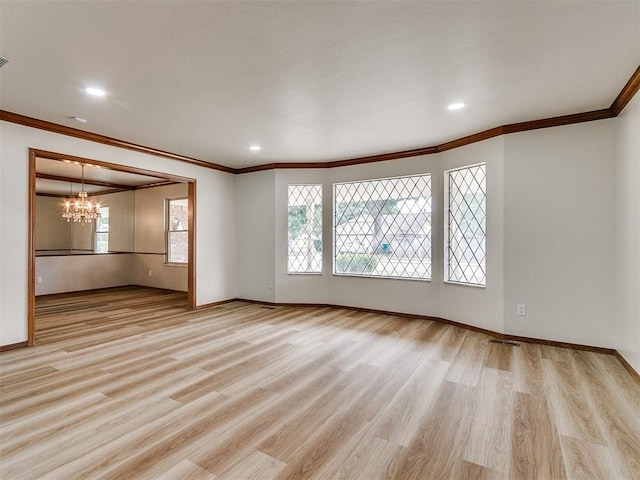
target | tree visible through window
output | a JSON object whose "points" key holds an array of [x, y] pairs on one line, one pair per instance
{"points": [[305, 229], [178, 231], [466, 225], [382, 228], [102, 231]]}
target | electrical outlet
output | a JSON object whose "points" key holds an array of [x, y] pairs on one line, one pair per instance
{"points": [[521, 310], [149, 272], [270, 285], [39, 279]]}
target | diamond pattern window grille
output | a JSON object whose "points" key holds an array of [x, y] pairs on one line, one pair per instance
{"points": [[382, 228], [466, 241], [305, 229]]}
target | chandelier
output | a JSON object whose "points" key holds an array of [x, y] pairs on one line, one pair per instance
{"points": [[80, 209]]}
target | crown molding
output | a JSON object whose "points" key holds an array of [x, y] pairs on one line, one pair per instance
{"points": [[443, 147], [624, 97], [627, 93], [114, 142]]}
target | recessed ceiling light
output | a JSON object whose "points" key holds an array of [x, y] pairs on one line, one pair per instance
{"points": [[78, 119], [456, 106], [96, 92], [255, 148]]}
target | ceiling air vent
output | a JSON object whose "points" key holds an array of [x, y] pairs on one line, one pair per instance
{"points": [[3, 61]]}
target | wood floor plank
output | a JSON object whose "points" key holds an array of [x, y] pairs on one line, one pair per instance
{"points": [[572, 413], [187, 469], [618, 419], [499, 356], [439, 442], [158, 457], [110, 455], [240, 440], [285, 442], [534, 440], [372, 458], [527, 368], [467, 365], [489, 443], [254, 465], [472, 471], [584, 460], [74, 442], [127, 383], [23, 434], [400, 420]]}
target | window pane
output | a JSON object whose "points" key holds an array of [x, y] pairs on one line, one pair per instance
{"points": [[178, 214], [177, 234], [102, 224], [102, 242], [178, 248], [383, 228], [466, 242], [305, 229], [102, 231]]}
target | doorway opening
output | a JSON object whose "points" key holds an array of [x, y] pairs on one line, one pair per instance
{"points": [[141, 233]]}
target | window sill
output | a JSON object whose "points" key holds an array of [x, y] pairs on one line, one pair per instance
{"points": [[382, 277], [462, 284], [174, 264]]}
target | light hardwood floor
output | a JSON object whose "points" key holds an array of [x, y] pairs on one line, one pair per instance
{"points": [[126, 383]]}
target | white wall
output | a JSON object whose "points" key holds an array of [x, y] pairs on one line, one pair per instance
{"points": [[481, 307], [301, 288], [150, 241], [215, 218], [52, 231], [255, 198], [150, 216], [557, 212], [550, 238], [121, 219], [72, 273], [475, 306], [628, 234], [163, 275], [139, 214], [560, 233]]}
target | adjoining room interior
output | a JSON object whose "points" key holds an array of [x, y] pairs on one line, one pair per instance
{"points": [[413, 240], [141, 236]]}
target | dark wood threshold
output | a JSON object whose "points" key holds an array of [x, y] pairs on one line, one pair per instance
{"points": [[214, 304], [627, 366], [93, 291], [13, 346]]}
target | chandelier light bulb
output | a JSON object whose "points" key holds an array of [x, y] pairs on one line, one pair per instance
{"points": [[83, 210]]}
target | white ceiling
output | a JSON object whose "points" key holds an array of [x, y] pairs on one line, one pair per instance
{"points": [[54, 187], [310, 81], [73, 170]]}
